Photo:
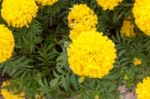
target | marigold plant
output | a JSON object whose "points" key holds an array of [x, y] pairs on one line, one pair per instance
{"points": [[66, 49]]}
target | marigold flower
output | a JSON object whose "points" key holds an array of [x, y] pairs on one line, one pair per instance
{"points": [[141, 12], [127, 29], [9, 94], [137, 61], [108, 4], [143, 89], [18, 13], [7, 43], [46, 2], [81, 18], [91, 54]]}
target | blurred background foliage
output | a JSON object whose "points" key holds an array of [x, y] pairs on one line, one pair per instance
{"points": [[39, 65]]}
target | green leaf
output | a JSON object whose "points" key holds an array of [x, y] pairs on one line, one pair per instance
{"points": [[64, 84], [54, 82]]}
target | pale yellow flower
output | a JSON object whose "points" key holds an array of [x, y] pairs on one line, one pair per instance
{"points": [[97, 97], [81, 79]]}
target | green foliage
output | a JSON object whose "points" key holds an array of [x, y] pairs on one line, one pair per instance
{"points": [[39, 64]]}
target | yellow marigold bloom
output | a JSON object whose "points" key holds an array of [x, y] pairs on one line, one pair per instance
{"points": [[81, 18], [108, 4], [141, 12], [127, 29], [91, 54], [137, 61], [46, 2], [9, 94], [7, 43], [143, 89], [18, 13]]}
